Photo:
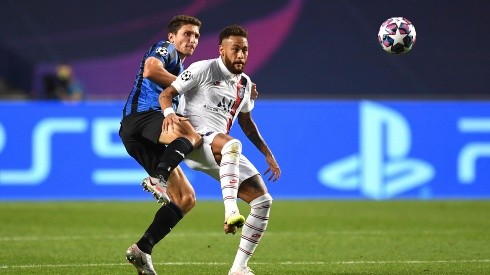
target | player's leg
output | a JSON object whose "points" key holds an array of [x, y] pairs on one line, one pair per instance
{"points": [[137, 147], [148, 153], [184, 140], [167, 217], [181, 140], [183, 200], [207, 159], [227, 151], [140, 133], [181, 191], [254, 192], [178, 189]]}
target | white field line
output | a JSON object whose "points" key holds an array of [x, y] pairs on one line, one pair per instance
{"points": [[219, 234], [60, 238], [255, 263]]}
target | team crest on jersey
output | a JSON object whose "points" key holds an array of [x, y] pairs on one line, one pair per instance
{"points": [[241, 90], [186, 75], [162, 51]]}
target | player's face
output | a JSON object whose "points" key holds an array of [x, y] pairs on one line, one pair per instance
{"points": [[234, 53], [185, 40]]}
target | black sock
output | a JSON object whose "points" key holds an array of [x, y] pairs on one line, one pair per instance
{"points": [[165, 219], [173, 155]]}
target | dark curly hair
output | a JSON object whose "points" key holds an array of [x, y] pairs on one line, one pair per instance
{"points": [[233, 30]]}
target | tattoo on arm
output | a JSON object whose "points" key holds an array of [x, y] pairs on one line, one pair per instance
{"points": [[252, 132]]}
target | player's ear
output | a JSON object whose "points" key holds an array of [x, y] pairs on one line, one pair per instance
{"points": [[171, 37], [221, 50]]}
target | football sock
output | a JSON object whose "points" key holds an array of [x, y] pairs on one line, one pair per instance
{"points": [[173, 155], [165, 219], [253, 229], [229, 174]]}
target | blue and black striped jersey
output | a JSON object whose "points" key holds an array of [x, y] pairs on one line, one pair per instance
{"points": [[144, 95]]}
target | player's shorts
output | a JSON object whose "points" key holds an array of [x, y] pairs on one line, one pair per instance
{"points": [[139, 133], [202, 159]]}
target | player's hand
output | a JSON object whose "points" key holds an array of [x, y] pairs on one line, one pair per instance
{"points": [[275, 171], [254, 93], [170, 120]]}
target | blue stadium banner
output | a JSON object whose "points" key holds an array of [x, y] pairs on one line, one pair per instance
{"points": [[327, 149]]}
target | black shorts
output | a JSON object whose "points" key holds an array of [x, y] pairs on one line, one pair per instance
{"points": [[139, 133]]}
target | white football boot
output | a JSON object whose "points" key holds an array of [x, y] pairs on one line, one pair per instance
{"points": [[158, 187], [140, 260], [241, 271]]}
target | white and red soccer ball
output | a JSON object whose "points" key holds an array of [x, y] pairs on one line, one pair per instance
{"points": [[397, 35]]}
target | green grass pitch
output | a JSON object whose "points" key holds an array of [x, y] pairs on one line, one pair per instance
{"points": [[303, 237]]}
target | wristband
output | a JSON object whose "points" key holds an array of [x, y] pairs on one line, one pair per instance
{"points": [[168, 111]]}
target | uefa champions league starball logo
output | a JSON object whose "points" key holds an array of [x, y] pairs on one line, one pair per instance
{"points": [[186, 75], [162, 51]]}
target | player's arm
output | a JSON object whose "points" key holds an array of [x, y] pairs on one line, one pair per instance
{"points": [[254, 94], [252, 132], [155, 72], [165, 100]]}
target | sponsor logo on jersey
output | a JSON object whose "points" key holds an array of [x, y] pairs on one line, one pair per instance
{"points": [[241, 90], [224, 106]]}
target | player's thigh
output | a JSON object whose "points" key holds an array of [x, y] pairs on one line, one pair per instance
{"points": [[217, 144], [252, 185], [168, 137], [182, 129], [252, 188], [145, 152]]}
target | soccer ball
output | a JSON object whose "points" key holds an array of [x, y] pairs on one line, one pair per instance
{"points": [[397, 35]]}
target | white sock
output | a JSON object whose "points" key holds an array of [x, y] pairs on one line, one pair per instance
{"points": [[229, 173], [253, 230]]}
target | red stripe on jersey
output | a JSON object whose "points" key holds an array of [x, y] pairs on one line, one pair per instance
{"points": [[238, 100]]}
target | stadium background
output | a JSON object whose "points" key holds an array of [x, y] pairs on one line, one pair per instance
{"points": [[420, 121]]}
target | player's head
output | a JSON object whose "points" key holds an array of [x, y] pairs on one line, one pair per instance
{"points": [[183, 32], [233, 48], [64, 72]]}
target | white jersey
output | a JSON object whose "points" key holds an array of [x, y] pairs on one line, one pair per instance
{"points": [[212, 96]]}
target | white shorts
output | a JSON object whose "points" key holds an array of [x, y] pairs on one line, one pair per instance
{"points": [[202, 159]]}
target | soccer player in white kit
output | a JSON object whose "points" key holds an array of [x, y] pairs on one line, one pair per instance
{"points": [[214, 93]]}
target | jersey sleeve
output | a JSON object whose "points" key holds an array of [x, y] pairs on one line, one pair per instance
{"points": [[248, 105], [165, 52], [188, 79]]}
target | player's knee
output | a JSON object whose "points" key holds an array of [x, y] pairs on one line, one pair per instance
{"points": [[232, 146], [195, 138], [186, 202], [190, 134], [189, 200], [263, 200]]}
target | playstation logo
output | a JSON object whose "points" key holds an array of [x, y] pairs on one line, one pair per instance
{"points": [[383, 168]]}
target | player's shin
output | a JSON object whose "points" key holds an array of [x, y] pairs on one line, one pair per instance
{"points": [[165, 219], [173, 155], [229, 175], [253, 230]]}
